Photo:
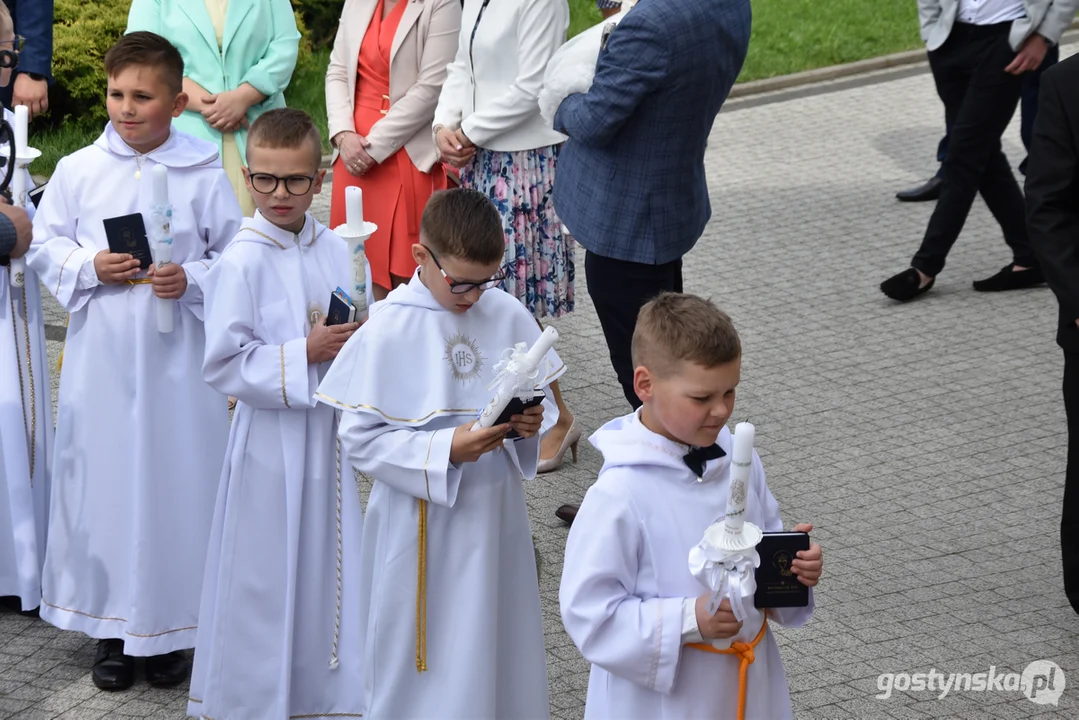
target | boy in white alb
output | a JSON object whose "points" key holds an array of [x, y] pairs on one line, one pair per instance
{"points": [[25, 410], [140, 436], [628, 599], [276, 635], [450, 616]]}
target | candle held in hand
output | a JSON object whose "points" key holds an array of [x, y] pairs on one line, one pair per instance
{"points": [[741, 465]]}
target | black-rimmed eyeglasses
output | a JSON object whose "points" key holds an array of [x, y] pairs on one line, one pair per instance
{"points": [[266, 184], [460, 288]]}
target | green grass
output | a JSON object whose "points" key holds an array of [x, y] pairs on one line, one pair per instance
{"points": [[788, 36]]}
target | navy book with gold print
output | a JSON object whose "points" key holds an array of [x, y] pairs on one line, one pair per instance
{"points": [[777, 585]]}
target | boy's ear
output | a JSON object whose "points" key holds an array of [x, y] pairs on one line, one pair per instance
{"points": [[643, 383], [247, 179], [316, 187], [419, 253], [179, 104]]}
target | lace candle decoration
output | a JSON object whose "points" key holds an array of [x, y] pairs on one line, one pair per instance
{"points": [[515, 375], [161, 238]]}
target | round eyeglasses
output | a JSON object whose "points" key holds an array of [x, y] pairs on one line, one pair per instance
{"points": [[266, 184], [460, 288]]}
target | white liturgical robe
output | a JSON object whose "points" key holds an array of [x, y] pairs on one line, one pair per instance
{"points": [[626, 575], [140, 436], [447, 554], [282, 573], [25, 433]]}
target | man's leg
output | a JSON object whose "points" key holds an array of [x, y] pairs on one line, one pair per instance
{"points": [[1069, 517], [619, 289], [1004, 199], [979, 100], [930, 189]]}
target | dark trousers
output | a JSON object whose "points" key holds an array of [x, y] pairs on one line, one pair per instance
{"points": [[1028, 108], [1069, 517], [979, 101], [619, 289]]}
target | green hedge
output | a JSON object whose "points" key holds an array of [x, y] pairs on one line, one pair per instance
{"points": [[82, 34], [320, 17]]}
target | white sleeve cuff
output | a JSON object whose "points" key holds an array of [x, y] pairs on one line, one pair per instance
{"points": [[690, 632], [87, 277]]}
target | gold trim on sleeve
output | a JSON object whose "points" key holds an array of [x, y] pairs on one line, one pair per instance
{"points": [[284, 393], [60, 275], [391, 418]]}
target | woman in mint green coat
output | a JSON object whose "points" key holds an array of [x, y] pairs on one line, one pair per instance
{"points": [[238, 59]]}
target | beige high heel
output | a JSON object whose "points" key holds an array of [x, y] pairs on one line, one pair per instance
{"points": [[570, 442]]}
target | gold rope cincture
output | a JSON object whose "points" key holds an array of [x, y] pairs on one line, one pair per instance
{"points": [[337, 607], [421, 590], [31, 428]]}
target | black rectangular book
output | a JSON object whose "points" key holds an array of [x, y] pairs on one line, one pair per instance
{"points": [[341, 311], [777, 585], [127, 236]]}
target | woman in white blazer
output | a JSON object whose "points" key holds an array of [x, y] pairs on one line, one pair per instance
{"points": [[488, 124], [382, 84]]}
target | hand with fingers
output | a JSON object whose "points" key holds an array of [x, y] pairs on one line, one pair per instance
{"points": [[470, 446], [115, 268], [808, 564], [719, 626], [325, 341]]}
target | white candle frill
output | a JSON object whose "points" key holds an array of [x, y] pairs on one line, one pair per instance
{"points": [[161, 238], [516, 374], [355, 232], [23, 157], [726, 558]]}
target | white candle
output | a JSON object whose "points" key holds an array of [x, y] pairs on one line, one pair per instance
{"points": [[22, 123], [159, 178], [741, 464], [354, 209]]}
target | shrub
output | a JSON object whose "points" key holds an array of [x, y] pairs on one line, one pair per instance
{"points": [[82, 34], [320, 17]]}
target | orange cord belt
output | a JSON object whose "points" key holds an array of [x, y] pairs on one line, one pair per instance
{"points": [[744, 651]]}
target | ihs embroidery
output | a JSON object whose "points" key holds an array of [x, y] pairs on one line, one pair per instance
{"points": [[464, 357]]}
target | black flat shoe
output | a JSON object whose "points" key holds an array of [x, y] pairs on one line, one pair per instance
{"points": [[112, 669], [1008, 279], [167, 670], [904, 286], [567, 513], [923, 193]]}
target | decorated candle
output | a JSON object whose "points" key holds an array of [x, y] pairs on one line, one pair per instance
{"points": [[161, 236], [18, 183], [741, 464]]}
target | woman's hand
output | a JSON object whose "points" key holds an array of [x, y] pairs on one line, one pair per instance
{"points": [[227, 111], [196, 96], [454, 147], [353, 149]]}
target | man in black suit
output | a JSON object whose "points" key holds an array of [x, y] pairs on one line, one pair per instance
{"points": [[1052, 196], [33, 22]]}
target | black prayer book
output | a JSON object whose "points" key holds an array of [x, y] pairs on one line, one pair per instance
{"points": [[127, 236], [777, 585], [341, 311]]}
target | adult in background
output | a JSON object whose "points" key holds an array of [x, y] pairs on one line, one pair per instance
{"points": [[1028, 111], [608, 8], [1053, 224], [386, 70], [631, 184], [238, 59], [488, 124], [33, 22], [979, 52]]}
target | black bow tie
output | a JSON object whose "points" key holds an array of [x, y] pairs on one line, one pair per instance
{"points": [[698, 456]]}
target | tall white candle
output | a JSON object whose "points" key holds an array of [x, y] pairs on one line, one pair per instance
{"points": [[18, 183], [741, 464], [162, 235], [354, 209]]}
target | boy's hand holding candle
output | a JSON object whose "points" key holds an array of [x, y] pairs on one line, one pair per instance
{"points": [[170, 282], [720, 626]]}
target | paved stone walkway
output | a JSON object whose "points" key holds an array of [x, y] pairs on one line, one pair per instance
{"points": [[926, 442]]}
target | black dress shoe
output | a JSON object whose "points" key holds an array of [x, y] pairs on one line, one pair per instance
{"points": [[167, 670], [905, 286], [567, 513], [112, 669], [1008, 279], [929, 191]]}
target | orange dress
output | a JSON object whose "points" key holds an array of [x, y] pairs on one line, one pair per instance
{"points": [[394, 191]]}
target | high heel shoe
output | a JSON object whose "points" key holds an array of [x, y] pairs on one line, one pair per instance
{"points": [[570, 442]]}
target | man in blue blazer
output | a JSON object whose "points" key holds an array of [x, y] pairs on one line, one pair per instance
{"points": [[33, 21], [630, 183]]}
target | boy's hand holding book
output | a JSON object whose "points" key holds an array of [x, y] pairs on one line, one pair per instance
{"points": [[469, 445], [528, 423], [325, 341], [720, 626], [170, 282], [115, 268], [809, 563]]}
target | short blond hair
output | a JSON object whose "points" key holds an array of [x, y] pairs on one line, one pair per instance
{"points": [[675, 327]]}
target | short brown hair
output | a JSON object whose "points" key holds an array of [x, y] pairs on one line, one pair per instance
{"points": [[463, 224], [675, 327], [286, 128], [147, 49]]}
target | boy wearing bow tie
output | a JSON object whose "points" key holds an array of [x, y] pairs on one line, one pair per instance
{"points": [[628, 599]]}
